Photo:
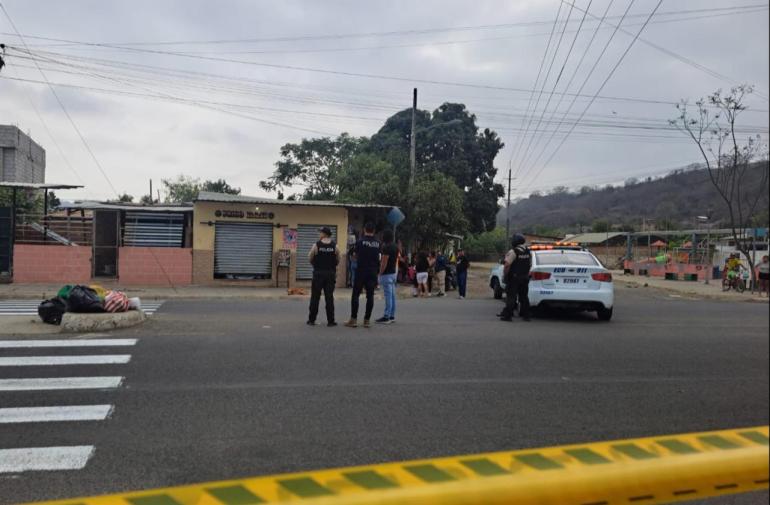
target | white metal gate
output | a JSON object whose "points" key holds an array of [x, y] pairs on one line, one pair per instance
{"points": [[307, 235], [243, 250]]}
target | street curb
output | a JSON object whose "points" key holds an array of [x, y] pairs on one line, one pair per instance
{"points": [[85, 323]]}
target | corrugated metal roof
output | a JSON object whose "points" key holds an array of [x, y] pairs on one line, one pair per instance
{"points": [[208, 196], [593, 238], [37, 185], [90, 205]]}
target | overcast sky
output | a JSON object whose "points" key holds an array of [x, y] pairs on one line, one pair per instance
{"points": [[201, 116]]}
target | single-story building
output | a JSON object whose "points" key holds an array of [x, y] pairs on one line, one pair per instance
{"points": [[218, 239], [86, 242], [265, 242]]}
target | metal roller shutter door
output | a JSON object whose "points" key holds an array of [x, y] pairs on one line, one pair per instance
{"points": [[243, 249], [307, 235], [153, 229]]}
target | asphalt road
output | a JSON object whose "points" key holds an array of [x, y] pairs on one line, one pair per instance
{"points": [[225, 389]]}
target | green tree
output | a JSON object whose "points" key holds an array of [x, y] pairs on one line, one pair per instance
{"points": [[437, 210], [314, 164], [181, 189], [220, 186], [185, 189], [368, 179], [27, 201], [449, 142], [124, 198], [146, 200], [488, 243], [53, 201]]}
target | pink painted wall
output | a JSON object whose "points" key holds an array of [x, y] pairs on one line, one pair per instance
{"points": [[656, 270], [51, 264], [155, 266]]}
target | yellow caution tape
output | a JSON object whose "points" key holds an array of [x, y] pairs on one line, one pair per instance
{"points": [[641, 471]]}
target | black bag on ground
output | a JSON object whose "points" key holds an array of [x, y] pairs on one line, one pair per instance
{"points": [[84, 299], [51, 311]]}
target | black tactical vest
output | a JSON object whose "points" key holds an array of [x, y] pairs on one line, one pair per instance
{"points": [[520, 267], [326, 256]]}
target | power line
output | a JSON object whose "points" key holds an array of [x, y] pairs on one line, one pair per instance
{"points": [[604, 83], [391, 33], [555, 84], [545, 81], [361, 75], [594, 66], [537, 79], [63, 108], [311, 50], [574, 74], [683, 59]]}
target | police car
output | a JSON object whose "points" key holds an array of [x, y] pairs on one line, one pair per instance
{"points": [[564, 275]]}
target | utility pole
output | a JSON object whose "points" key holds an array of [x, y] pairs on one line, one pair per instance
{"points": [[508, 208], [413, 141]]}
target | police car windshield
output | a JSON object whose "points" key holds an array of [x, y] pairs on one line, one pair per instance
{"points": [[565, 258]]}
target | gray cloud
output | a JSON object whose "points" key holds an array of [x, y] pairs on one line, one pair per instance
{"points": [[137, 138]]}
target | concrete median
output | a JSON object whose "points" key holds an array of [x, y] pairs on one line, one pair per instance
{"points": [[84, 323]]}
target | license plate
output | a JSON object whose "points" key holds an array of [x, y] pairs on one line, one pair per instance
{"points": [[571, 281]]}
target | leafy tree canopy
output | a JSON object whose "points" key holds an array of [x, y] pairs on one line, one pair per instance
{"points": [[314, 164], [377, 170], [185, 189]]}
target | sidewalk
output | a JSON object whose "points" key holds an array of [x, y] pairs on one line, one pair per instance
{"points": [[45, 291], [698, 289]]}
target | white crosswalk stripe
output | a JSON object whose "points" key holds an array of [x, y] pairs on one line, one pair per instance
{"points": [[45, 458], [105, 359], [29, 307], [60, 383], [43, 353], [51, 414], [103, 342]]}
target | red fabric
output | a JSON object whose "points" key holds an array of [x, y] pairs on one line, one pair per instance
{"points": [[115, 301]]}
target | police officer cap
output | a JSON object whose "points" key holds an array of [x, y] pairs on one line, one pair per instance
{"points": [[326, 231], [517, 239]]}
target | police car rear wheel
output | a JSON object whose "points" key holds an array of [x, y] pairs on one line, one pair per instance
{"points": [[604, 314]]}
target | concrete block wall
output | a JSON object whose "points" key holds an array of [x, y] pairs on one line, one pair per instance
{"points": [[155, 266], [51, 264], [21, 158]]}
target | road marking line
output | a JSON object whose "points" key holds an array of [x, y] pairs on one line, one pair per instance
{"points": [[45, 458], [23, 344], [57, 383], [104, 359], [54, 414]]}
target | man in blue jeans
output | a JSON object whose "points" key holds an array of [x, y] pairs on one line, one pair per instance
{"points": [[388, 276], [462, 273]]}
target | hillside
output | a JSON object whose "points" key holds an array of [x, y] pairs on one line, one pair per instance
{"points": [[672, 201]]}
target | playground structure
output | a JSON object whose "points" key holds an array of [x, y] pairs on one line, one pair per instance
{"points": [[691, 255]]}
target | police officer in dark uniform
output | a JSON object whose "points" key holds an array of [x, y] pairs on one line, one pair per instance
{"points": [[518, 262], [367, 251], [324, 256]]}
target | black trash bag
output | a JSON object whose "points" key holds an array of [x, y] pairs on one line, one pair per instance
{"points": [[84, 299], [51, 311]]}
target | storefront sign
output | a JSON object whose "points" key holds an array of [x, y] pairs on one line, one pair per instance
{"points": [[241, 214]]}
